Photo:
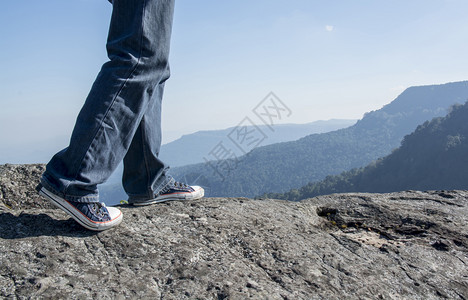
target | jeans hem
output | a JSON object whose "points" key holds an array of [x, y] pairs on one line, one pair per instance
{"points": [[81, 199], [139, 198]]}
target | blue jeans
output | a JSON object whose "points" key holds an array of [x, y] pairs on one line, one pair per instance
{"points": [[121, 118]]}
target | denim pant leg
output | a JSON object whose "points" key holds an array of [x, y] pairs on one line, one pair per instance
{"points": [[144, 173], [125, 100]]}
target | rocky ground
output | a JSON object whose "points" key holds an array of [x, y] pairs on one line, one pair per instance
{"points": [[407, 245], [17, 186]]}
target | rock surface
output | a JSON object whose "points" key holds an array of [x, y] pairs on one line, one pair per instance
{"points": [[408, 245], [17, 186]]}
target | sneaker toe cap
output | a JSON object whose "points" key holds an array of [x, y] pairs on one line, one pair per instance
{"points": [[114, 213], [198, 190]]}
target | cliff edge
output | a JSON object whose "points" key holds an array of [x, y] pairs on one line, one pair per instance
{"points": [[356, 246]]}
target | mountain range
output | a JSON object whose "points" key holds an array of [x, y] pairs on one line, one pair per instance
{"points": [[435, 156], [284, 166], [193, 148]]}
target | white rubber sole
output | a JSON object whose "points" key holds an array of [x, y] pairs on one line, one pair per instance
{"points": [[198, 193], [78, 216]]}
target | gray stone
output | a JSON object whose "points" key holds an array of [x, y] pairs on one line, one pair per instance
{"points": [[407, 245], [17, 186]]}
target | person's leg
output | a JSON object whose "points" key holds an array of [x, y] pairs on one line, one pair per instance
{"points": [[144, 178], [138, 48], [144, 174], [125, 89]]}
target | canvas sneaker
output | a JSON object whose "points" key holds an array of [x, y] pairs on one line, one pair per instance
{"points": [[94, 216], [175, 191]]}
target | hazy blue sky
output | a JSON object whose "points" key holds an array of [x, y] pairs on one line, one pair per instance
{"points": [[324, 59]]}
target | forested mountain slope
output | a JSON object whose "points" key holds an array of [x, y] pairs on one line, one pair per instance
{"points": [[434, 157]]}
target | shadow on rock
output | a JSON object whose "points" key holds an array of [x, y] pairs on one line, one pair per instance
{"points": [[27, 225]]}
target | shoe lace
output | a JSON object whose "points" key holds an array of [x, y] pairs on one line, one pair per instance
{"points": [[180, 185], [176, 185], [98, 208]]}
